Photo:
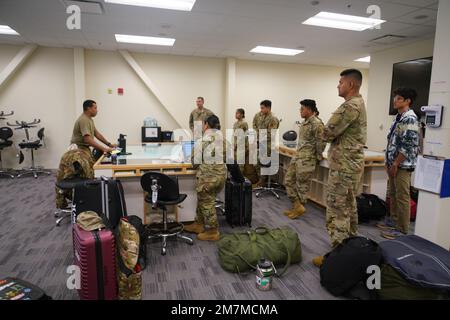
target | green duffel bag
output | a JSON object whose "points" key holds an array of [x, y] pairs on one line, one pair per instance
{"points": [[240, 252], [395, 287]]}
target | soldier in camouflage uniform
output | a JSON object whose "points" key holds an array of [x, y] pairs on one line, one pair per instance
{"points": [[211, 174], [265, 120], [401, 158], [303, 165], [240, 152], [347, 132], [76, 163], [199, 114]]}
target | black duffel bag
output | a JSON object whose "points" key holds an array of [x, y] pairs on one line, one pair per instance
{"points": [[370, 207], [346, 265]]}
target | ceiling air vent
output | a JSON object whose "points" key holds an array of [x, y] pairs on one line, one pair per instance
{"points": [[388, 39], [91, 7]]}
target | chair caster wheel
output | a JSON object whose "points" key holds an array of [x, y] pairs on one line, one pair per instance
{"points": [[57, 224], [163, 252], [56, 214]]}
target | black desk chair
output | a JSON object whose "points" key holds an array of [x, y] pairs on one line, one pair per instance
{"points": [[163, 191], [66, 185], [5, 134], [33, 145], [272, 188]]}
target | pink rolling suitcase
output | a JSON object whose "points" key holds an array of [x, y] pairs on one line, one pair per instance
{"points": [[95, 255]]}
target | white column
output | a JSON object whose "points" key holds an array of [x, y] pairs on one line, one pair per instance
{"points": [[80, 79], [230, 94], [433, 212]]}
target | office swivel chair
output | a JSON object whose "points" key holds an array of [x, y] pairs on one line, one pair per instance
{"points": [[163, 191], [272, 188], [32, 145], [5, 134]]}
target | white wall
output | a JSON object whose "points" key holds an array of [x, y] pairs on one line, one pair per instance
{"points": [[379, 94], [286, 85], [42, 88]]}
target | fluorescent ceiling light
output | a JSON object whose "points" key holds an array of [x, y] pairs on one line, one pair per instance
{"points": [[365, 59], [280, 51], [144, 40], [7, 30], [342, 21], [184, 5]]}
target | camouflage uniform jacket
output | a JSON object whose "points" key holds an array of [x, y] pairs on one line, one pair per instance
{"points": [[403, 138], [265, 121], [207, 168], [310, 145], [199, 115], [347, 132], [66, 166], [241, 124]]}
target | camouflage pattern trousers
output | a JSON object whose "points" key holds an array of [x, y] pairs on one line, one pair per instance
{"points": [[298, 180], [342, 216], [207, 190]]}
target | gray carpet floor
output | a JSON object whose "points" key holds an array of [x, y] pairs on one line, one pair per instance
{"points": [[34, 249]]}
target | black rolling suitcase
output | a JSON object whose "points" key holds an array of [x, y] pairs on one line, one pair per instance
{"points": [[88, 197], [238, 202]]}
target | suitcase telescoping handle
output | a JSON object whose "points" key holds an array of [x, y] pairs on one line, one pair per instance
{"points": [[105, 198]]}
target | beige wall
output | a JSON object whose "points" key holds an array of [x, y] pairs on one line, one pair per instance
{"points": [[379, 94], [179, 80], [285, 85], [42, 88]]}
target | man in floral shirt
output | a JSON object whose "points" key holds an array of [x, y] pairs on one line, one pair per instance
{"points": [[401, 157]]}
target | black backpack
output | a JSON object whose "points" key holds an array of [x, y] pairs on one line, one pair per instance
{"points": [[345, 267], [370, 207]]}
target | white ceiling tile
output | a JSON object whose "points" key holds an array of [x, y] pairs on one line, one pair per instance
{"points": [[411, 18], [415, 3]]}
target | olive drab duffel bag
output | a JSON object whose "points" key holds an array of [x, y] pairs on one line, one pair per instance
{"points": [[240, 252]]}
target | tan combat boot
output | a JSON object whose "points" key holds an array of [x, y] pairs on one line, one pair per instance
{"points": [[298, 210], [212, 234], [194, 228], [289, 211], [318, 261]]}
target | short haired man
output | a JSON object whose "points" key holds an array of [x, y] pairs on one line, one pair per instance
{"points": [[347, 132], [401, 157], [264, 119], [310, 147], [84, 130], [199, 114]]}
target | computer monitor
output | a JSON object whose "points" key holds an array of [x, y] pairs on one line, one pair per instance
{"points": [[151, 134]]}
